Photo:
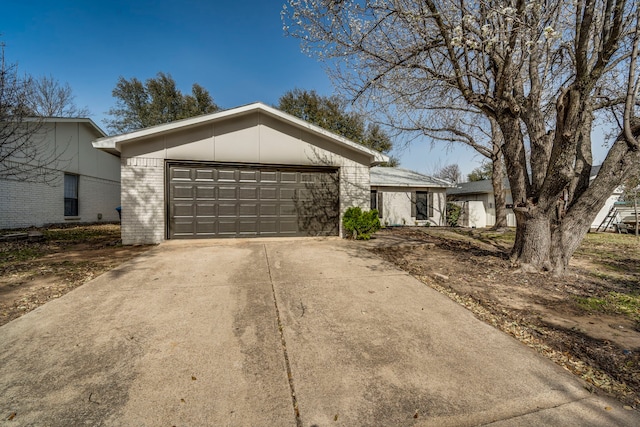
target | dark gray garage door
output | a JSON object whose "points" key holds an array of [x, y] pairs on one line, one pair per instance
{"points": [[238, 201]]}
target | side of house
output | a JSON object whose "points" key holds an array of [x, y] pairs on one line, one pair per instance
{"points": [[83, 184], [405, 197]]}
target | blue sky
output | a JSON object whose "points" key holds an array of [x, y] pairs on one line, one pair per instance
{"points": [[235, 49]]}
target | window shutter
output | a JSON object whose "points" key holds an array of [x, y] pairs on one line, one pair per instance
{"points": [[430, 204], [413, 204], [380, 215]]}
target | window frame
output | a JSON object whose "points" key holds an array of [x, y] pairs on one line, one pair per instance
{"points": [[422, 215], [71, 204]]}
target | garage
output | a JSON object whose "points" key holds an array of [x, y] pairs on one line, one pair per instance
{"points": [[251, 171], [207, 201]]}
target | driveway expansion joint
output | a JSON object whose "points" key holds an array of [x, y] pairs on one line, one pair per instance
{"points": [[294, 399]]}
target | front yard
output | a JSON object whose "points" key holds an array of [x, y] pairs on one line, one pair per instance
{"points": [[588, 321], [32, 273]]}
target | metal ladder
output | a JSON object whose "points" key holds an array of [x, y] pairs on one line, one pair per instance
{"points": [[611, 215]]}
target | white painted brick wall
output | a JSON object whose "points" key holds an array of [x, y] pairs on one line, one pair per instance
{"points": [[355, 189], [24, 204], [143, 204]]}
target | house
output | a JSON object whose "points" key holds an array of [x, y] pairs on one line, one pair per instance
{"points": [[245, 172], [405, 197], [82, 185], [478, 204]]}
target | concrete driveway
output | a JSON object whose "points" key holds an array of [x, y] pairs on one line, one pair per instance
{"points": [[296, 332]]}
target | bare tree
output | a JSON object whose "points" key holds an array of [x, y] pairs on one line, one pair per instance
{"points": [[449, 172], [50, 98], [538, 69], [22, 156]]}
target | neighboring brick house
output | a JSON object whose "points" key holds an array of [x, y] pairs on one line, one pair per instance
{"points": [[246, 172], [83, 183]]}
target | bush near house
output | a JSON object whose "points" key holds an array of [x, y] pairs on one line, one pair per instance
{"points": [[453, 214], [360, 224]]}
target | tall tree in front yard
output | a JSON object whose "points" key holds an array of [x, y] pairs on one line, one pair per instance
{"points": [[540, 70], [156, 101]]}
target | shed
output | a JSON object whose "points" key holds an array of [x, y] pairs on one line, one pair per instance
{"points": [[251, 171]]}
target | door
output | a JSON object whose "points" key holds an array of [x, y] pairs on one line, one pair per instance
{"points": [[209, 201]]}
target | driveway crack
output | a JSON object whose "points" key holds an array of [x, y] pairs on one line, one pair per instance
{"points": [[294, 399]]}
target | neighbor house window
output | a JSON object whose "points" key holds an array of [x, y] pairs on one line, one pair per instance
{"points": [[422, 211], [70, 195], [374, 199]]}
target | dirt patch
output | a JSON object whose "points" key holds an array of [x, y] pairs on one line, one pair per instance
{"points": [[32, 273], [552, 315]]}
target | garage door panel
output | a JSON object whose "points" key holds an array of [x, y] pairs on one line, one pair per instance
{"points": [[228, 210], [288, 226], [268, 210], [181, 174], [205, 192], [249, 210], [182, 227], [183, 192], [248, 193], [227, 226], [184, 210], [227, 193], [206, 210], [205, 175], [291, 177], [220, 201], [287, 193], [226, 175], [268, 193], [249, 176], [268, 176], [268, 227], [206, 227]]}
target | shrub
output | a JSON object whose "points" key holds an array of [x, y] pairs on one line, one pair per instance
{"points": [[453, 214], [360, 224]]}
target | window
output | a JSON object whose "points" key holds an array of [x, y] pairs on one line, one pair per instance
{"points": [[376, 202], [70, 195], [422, 211]]}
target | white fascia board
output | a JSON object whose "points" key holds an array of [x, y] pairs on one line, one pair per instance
{"points": [[113, 142]]}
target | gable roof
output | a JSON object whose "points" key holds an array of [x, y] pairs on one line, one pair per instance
{"points": [[398, 177], [113, 143], [477, 187]]}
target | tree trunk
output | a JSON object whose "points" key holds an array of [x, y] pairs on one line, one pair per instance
{"points": [[533, 238], [497, 181], [497, 175]]}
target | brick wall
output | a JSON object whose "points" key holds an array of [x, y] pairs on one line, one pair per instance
{"points": [[143, 204], [354, 188], [24, 204]]}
